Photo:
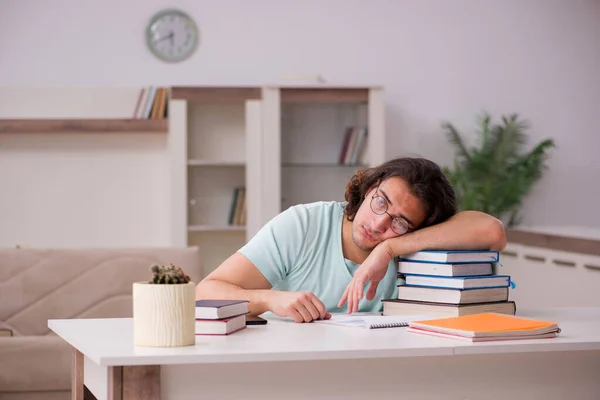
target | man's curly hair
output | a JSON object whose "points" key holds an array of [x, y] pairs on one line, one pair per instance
{"points": [[424, 178]]}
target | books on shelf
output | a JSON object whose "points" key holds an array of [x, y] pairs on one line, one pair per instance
{"points": [[152, 103], [439, 269], [486, 327], [453, 256], [220, 317], [413, 307], [450, 283], [237, 212], [354, 146]]}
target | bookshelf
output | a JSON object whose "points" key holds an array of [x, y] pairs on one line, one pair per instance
{"points": [[214, 134], [74, 125], [303, 133], [81, 110]]}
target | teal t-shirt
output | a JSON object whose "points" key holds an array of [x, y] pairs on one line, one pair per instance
{"points": [[300, 250]]}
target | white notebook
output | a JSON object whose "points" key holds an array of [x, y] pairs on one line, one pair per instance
{"points": [[372, 321]]}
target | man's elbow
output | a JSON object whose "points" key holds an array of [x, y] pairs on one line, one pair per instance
{"points": [[497, 234], [203, 289]]}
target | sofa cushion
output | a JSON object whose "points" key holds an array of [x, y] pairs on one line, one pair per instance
{"points": [[34, 363]]}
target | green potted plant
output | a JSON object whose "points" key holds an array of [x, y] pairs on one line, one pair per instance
{"points": [[164, 308], [497, 174]]}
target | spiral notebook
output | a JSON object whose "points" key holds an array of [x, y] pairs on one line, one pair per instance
{"points": [[372, 321]]}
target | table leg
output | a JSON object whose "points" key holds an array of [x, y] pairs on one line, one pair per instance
{"points": [[141, 382], [77, 375], [115, 383]]}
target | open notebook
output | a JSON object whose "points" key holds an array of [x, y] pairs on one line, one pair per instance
{"points": [[371, 321]]}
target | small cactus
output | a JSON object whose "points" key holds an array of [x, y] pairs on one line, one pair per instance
{"points": [[168, 274]]}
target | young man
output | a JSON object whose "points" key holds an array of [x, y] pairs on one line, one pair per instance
{"points": [[312, 259]]}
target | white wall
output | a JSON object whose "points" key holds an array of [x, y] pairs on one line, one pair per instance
{"points": [[79, 190], [438, 59]]}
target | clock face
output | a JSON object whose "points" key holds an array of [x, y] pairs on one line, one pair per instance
{"points": [[172, 35]]}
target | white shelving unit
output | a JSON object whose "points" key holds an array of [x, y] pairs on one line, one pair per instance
{"points": [[281, 143], [210, 129], [304, 129]]}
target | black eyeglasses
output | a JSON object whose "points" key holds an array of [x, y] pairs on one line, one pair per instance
{"points": [[379, 206]]}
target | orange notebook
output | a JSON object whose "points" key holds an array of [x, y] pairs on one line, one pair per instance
{"points": [[486, 327]]}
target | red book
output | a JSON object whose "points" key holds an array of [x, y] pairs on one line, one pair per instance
{"points": [[220, 326]]}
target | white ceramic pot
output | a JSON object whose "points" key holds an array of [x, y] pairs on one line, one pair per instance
{"points": [[164, 314]]}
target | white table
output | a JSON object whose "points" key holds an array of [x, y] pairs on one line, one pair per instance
{"points": [[318, 361]]}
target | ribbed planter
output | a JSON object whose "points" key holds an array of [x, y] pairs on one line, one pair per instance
{"points": [[164, 314]]}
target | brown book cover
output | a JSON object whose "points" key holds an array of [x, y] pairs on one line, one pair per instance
{"points": [[156, 104], [345, 144], [163, 103]]}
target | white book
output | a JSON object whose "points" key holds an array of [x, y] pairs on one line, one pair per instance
{"points": [[453, 296], [360, 143], [460, 282], [149, 102], [351, 146], [423, 268], [440, 310], [219, 309], [453, 256]]}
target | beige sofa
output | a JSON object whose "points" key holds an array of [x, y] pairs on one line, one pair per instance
{"points": [[41, 284]]}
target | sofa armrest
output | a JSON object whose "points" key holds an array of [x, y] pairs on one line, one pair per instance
{"points": [[34, 363]]}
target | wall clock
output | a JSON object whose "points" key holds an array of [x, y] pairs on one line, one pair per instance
{"points": [[172, 35]]}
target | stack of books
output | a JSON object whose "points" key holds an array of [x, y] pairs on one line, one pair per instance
{"points": [[449, 284], [220, 317]]}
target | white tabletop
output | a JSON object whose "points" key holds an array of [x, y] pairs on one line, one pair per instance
{"points": [[109, 342]]}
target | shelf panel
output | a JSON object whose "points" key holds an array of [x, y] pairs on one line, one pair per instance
{"points": [[82, 125], [212, 163], [215, 94], [213, 228], [337, 95], [321, 165]]}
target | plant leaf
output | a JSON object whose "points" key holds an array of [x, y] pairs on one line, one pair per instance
{"points": [[455, 138], [496, 176]]}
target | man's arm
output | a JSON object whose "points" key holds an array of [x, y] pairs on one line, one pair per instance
{"points": [[239, 279], [466, 230]]}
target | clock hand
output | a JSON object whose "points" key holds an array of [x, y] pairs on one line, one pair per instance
{"points": [[169, 36]]}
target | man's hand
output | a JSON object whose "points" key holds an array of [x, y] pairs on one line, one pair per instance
{"points": [[373, 269], [300, 306]]}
